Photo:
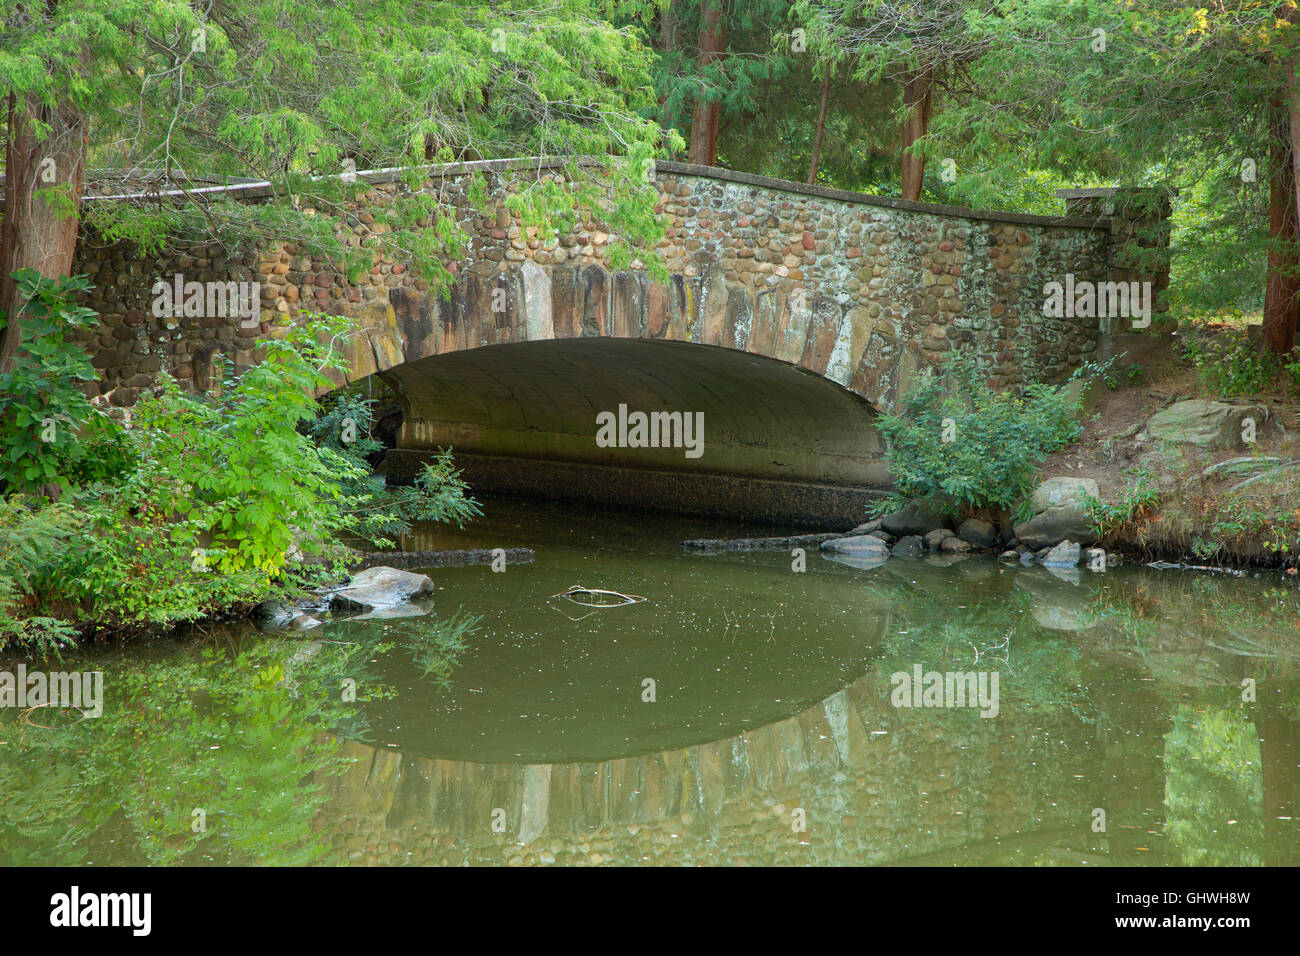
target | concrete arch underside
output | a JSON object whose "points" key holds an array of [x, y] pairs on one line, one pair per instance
{"points": [[779, 443]]}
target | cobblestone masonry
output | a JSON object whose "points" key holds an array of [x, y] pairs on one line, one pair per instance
{"points": [[887, 286]]}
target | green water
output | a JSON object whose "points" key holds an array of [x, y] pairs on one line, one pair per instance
{"points": [[743, 713]]}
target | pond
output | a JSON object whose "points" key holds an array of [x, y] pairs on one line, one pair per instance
{"points": [[756, 708]]}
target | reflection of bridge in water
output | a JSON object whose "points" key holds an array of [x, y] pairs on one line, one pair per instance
{"points": [[875, 784]]}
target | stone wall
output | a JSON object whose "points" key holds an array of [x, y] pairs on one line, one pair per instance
{"points": [[862, 290]]}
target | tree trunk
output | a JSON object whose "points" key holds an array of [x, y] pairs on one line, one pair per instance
{"points": [[917, 89], [1282, 287], [37, 233], [706, 116], [821, 127], [666, 42]]}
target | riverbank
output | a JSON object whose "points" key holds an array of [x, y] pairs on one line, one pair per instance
{"points": [[1187, 452], [1188, 464]]}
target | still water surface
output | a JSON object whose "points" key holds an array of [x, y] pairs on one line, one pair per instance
{"points": [[743, 713]]}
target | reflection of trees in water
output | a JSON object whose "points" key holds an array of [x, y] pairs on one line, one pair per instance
{"points": [[1277, 721], [1213, 792], [1199, 636], [234, 731], [1040, 671]]}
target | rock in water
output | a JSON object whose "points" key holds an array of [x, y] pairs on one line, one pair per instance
{"points": [[955, 545], [860, 545], [1064, 555], [908, 547], [935, 539], [381, 587], [274, 613], [1095, 559]]}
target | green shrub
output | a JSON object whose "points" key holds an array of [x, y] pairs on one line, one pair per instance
{"points": [[1228, 363], [30, 537], [1136, 502], [226, 489], [210, 502], [49, 431], [382, 512], [964, 446]]}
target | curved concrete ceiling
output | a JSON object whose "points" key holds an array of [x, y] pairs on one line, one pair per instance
{"points": [[540, 400]]}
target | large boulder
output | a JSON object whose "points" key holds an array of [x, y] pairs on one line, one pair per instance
{"points": [[917, 517], [1206, 423], [380, 587], [1059, 513]]}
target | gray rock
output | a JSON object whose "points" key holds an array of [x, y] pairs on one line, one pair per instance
{"points": [[1059, 513], [273, 613], [934, 539], [1062, 492], [1243, 465], [954, 545], [1064, 555], [1009, 555], [917, 517], [1095, 559], [1206, 423], [1273, 474], [867, 528], [859, 544], [908, 546], [380, 587], [980, 533]]}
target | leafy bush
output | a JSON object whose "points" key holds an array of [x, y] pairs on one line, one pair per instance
{"points": [[1228, 363], [965, 446], [28, 537], [49, 431], [1136, 503], [226, 491], [382, 512], [217, 502]]}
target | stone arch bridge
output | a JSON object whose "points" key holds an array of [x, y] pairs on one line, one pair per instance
{"points": [[793, 314]]}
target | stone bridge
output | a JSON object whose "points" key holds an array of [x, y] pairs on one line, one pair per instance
{"points": [[792, 315]]}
